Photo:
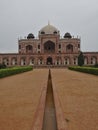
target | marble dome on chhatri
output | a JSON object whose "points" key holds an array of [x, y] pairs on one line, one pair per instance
{"points": [[48, 49]]}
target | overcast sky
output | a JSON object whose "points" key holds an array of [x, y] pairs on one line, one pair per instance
{"points": [[20, 17]]}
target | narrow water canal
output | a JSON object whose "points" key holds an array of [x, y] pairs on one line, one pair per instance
{"points": [[49, 122]]}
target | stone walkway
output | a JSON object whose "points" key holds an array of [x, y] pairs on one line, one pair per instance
{"points": [[19, 99], [77, 93]]}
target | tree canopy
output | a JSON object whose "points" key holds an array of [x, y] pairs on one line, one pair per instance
{"points": [[80, 59], [2, 66]]}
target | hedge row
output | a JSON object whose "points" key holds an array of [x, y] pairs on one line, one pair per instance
{"points": [[89, 70], [13, 71]]}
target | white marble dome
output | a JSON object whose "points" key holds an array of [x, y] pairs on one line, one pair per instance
{"points": [[49, 29]]}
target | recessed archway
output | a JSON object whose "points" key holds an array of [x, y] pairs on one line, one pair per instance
{"points": [[29, 49], [49, 61], [49, 47], [69, 48]]}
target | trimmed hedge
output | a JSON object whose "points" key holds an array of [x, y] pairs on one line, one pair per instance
{"points": [[13, 71], [89, 70]]}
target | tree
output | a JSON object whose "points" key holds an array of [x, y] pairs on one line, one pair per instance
{"points": [[2, 66], [96, 65], [80, 59]]}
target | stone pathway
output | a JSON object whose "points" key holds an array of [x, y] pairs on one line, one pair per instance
{"points": [[19, 99], [76, 94]]}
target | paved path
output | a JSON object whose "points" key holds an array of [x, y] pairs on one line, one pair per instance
{"points": [[19, 98], [78, 94]]}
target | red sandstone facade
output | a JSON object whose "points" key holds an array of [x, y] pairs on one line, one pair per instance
{"points": [[48, 49]]}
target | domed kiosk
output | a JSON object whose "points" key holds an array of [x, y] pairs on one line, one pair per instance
{"points": [[30, 36], [67, 35]]}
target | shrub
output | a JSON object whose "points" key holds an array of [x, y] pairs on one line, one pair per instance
{"points": [[13, 71], [89, 70], [96, 65]]}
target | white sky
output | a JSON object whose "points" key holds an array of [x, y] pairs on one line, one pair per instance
{"points": [[20, 17]]}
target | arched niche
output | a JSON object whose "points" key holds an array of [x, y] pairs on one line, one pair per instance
{"points": [[49, 47]]}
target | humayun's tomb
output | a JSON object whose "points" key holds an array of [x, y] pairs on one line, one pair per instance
{"points": [[48, 49]]}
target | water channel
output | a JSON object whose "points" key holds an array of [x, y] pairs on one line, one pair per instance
{"points": [[49, 122]]}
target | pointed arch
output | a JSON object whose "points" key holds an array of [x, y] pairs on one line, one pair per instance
{"points": [[93, 60], [66, 61], [6, 61], [49, 47], [29, 49], [69, 48], [14, 61], [31, 61]]}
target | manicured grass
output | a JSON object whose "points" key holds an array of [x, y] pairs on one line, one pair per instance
{"points": [[14, 70], [89, 70]]}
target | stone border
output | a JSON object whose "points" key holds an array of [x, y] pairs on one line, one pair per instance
{"points": [[39, 115], [61, 124]]}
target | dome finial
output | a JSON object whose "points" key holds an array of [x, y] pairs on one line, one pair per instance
{"points": [[48, 22]]}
